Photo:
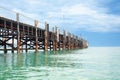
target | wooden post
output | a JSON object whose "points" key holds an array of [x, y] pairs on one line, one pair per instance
{"points": [[74, 42], [5, 50], [12, 37], [64, 39], [72, 36], [50, 45], [36, 24], [18, 33], [23, 36], [20, 42], [77, 42], [46, 37], [53, 36], [69, 38], [30, 36], [56, 38], [26, 45]]}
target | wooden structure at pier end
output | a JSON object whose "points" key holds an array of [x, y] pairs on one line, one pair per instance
{"points": [[15, 35]]}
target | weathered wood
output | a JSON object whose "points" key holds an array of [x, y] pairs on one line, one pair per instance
{"points": [[5, 49], [46, 37], [12, 37], [18, 33], [53, 36], [76, 42], [56, 31], [26, 47], [58, 39], [36, 24], [64, 40], [32, 37], [72, 41], [69, 38]]}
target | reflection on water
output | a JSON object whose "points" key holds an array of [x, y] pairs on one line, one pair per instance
{"points": [[95, 63]]}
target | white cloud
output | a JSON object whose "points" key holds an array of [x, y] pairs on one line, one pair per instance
{"points": [[36, 2], [89, 18], [78, 9]]}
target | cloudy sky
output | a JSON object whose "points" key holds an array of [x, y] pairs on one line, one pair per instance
{"points": [[98, 21]]}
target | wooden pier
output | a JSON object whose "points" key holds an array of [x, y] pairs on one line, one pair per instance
{"points": [[15, 35]]}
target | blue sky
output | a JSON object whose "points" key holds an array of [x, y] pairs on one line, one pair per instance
{"points": [[98, 21]]}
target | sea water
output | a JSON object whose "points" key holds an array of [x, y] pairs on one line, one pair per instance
{"points": [[93, 63]]}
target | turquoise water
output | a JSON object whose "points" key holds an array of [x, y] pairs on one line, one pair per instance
{"points": [[94, 63]]}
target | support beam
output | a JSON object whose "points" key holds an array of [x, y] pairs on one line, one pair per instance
{"points": [[76, 42], [21, 43], [50, 45], [46, 37], [56, 45], [18, 33], [36, 36], [12, 44], [69, 39], [26, 45], [12, 38], [72, 44], [64, 40], [53, 38], [58, 37], [4, 32]]}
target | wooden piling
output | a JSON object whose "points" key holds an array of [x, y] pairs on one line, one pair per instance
{"points": [[56, 38], [12, 37], [26, 50], [23, 37], [64, 40], [72, 41], [36, 24], [46, 37], [76, 42], [53, 40], [69, 39], [18, 33], [5, 48], [50, 45]]}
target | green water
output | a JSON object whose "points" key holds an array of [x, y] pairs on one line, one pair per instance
{"points": [[94, 63]]}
